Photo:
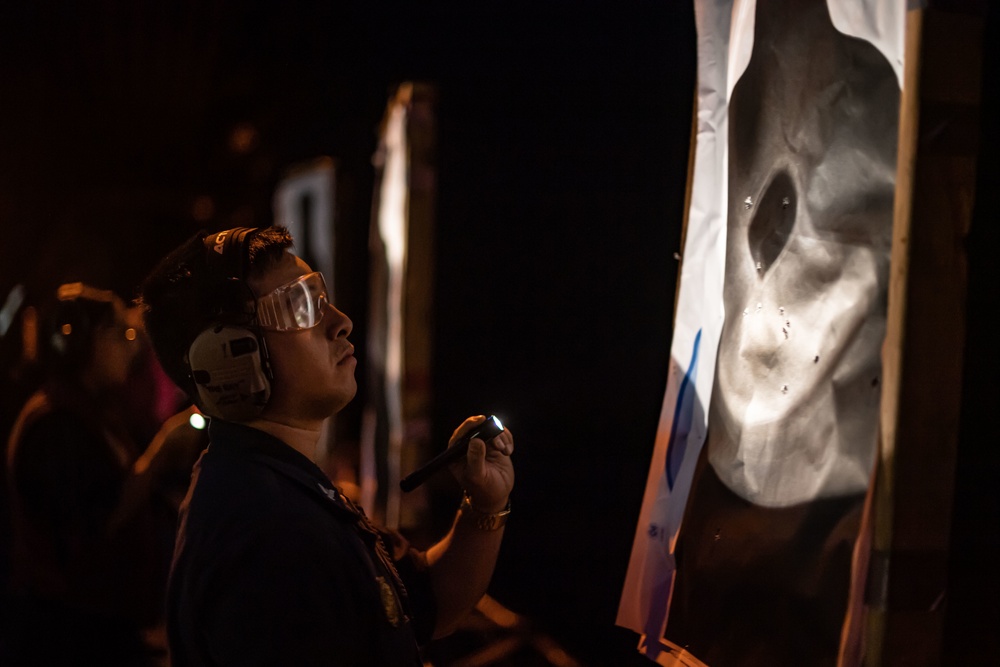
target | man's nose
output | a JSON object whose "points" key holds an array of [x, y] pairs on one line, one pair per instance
{"points": [[340, 325]]}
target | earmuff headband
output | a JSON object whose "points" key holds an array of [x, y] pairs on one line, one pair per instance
{"points": [[228, 361], [228, 251]]}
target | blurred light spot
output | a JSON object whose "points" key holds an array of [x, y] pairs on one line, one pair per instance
{"points": [[29, 334], [10, 306], [203, 208], [197, 421], [69, 291], [67, 329], [243, 138], [130, 334]]}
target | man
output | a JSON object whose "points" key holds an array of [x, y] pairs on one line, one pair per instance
{"points": [[86, 570], [273, 565]]}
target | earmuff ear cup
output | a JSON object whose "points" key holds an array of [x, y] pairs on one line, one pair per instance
{"points": [[228, 368], [228, 362]]}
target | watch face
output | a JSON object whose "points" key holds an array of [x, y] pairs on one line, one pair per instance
{"points": [[813, 125]]}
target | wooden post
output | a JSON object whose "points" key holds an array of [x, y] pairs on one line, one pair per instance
{"points": [[923, 352]]}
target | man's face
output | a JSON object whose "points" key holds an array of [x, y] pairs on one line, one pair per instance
{"points": [[114, 350], [313, 368]]}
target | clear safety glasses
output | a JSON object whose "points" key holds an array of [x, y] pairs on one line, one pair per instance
{"points": [[297, 305]]}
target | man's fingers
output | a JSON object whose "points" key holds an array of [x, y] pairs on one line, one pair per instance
{"points": [[476, 458], [503, 443], [465, 427]]}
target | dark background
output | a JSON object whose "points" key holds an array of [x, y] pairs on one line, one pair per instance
{"points": [[563, 132]]}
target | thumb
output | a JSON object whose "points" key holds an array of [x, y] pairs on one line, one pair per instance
{"points": [[475, 459]]}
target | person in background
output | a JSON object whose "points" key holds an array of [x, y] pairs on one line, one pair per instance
{"points": [[87, 569], [273, 564]]}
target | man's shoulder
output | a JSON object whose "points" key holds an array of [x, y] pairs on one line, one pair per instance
{"points": [[41, 410], [220, 481], [245, 513], [239, 493], [44, 424]]}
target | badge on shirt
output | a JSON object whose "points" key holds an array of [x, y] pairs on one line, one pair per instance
{"points": [[390, 603]]}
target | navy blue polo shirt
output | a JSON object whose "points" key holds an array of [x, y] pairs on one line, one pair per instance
{"points": [[272, 566]]}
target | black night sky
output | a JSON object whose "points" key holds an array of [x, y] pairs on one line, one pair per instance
{"points": [[563, 137]]}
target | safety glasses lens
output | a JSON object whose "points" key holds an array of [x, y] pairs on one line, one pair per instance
{"points": [[295, 305]]}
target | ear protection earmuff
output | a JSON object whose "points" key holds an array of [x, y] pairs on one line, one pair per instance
{"points": [[228, 361]]}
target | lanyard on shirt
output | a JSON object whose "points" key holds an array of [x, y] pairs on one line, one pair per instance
{"points": [[340, 504]]}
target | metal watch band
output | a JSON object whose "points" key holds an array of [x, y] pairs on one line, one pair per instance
{"points": [[484, 521]]}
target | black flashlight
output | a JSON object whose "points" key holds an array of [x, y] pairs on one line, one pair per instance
{"points": [[486, 431]]}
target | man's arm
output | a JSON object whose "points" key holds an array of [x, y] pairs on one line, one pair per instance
{"points": [[461, 564], [170, 450]]}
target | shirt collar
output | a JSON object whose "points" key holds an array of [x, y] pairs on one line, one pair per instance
{"points": [[240, 440]]}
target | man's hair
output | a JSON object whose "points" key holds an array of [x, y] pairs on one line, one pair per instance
{"points": [[183, 296]]}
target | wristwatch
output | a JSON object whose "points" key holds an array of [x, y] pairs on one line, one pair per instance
{"points": [[483, 520]]}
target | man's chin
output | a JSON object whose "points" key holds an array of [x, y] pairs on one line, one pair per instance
{"points": [[341, 399]]}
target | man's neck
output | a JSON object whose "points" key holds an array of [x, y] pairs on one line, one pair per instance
{"points": [[302, 439]]}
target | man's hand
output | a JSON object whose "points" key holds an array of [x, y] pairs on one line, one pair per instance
{"points": [[462, 563], [487, 473]]}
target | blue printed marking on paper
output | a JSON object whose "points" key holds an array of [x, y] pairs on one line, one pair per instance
{"points": [[683, 414], [656, 614]]}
